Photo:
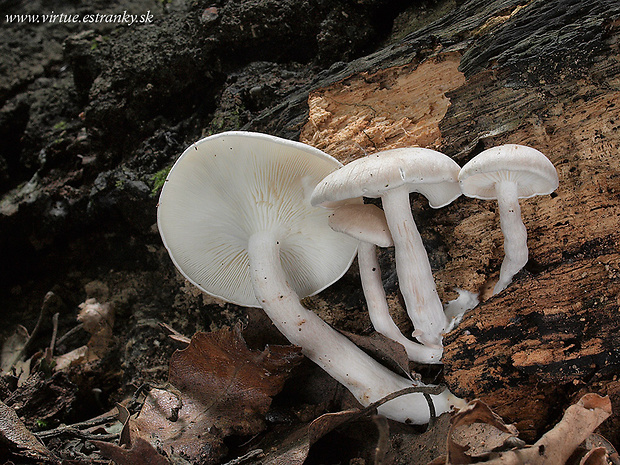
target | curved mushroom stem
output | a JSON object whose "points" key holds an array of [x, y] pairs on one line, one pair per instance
{"points": [[367, 380], [415, 276], [515, 234], [378, 310]]}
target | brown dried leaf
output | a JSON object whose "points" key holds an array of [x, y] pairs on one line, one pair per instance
{"points": [[479, 412], [123, 417], [142, 453], [294, 450], [386, 350], [14, 433], [475, 431], [595, 440], [95, 315], [554, 448], [597, 456], [296, 447], [578, 422], [72, 358], [221, 387]]}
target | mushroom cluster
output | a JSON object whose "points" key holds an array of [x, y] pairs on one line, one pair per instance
{"points": [[392, 175], [505, 173], [236, 218], [262, 221]]}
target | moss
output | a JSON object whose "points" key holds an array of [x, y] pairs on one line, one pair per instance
{"points": [[60, 126], [158, 179], [228, 120]]}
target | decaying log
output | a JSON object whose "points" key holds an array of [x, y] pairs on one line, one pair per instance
{"points": [[544, 74]]}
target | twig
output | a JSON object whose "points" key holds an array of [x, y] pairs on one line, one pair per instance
{"points": [[71, 332], [426, 390], [432, 412], [78, 433], [244, 458], [174, 334], [54, 332], [75, 430]]}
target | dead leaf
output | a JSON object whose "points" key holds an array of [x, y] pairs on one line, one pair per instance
{"points": [[476, 430], [13, 347], [295, 449], [597, 456], [557, 445], [595, 440], [74, 357], [553, 448], [391, 353], [95, 316], [220, 388], [142, 453], [98, 320], [14, 433]]}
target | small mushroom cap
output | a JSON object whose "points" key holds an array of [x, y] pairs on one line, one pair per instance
{"points": [[364, 222], [529, 168], [422, 170], [228, 186]]}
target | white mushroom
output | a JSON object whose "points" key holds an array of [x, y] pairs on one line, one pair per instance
{"points": [[235, 218], [392, 175], [509, 173], [367, 224]]}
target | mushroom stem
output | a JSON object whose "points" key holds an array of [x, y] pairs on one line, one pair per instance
{"points": [[415, 276], [515, 233], [367, 379], [378, 310]]}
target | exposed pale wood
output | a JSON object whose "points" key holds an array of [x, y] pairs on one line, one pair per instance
{"points": [[545, 74]]}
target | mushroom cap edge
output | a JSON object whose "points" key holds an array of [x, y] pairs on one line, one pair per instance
{"points": [[530, 168], [188, 227], [426, 171]]}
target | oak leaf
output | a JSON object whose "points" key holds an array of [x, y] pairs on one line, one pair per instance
{"points": [[219, 387]]}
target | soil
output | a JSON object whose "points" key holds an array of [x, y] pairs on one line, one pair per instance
{"points": [[93, 114]]}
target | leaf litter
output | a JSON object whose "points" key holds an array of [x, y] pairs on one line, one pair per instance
{"points": [[478, 435], [218, 388], [98, 320]]}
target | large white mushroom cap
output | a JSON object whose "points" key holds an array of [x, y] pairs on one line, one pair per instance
{"points": [[226, 187], [530, 169], [422, 170]]}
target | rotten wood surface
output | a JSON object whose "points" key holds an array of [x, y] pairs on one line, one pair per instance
{"points": [[540, 73]]}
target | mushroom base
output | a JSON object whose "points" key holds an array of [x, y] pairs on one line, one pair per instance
{"points": [[365, 378], [378, 310]]}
